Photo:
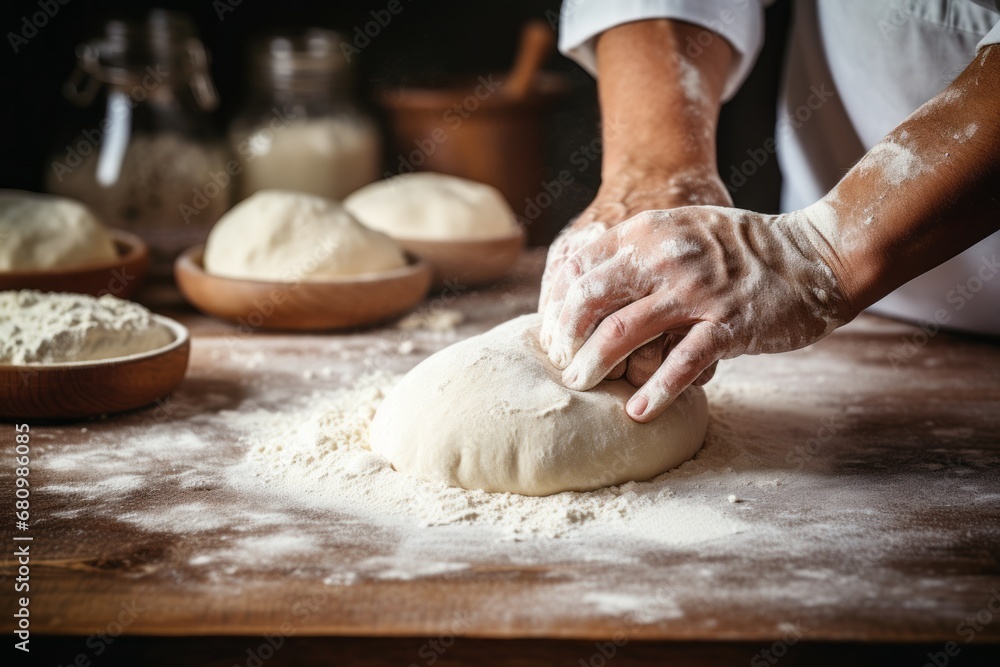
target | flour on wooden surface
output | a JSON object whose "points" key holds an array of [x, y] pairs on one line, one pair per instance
{"points": [[320, 453]]}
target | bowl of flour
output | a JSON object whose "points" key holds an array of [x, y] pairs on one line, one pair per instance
{"points": [[72, 355]]}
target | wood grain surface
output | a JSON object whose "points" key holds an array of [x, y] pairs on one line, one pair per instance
{"points": [[910, 469]]}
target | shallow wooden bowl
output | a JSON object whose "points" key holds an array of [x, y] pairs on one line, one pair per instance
{"points": [[88, 388], [308, 305], [120, 278], [476, 262]]}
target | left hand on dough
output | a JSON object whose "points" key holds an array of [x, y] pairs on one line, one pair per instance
{"points": [[725, 282], [621, 196]]}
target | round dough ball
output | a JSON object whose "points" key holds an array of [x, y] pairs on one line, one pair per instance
{"points": [[491, 413], [292, 236], [429, 206], [48, 232]]}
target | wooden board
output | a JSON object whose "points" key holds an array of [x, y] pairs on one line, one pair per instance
{"points": [[911, 470]]}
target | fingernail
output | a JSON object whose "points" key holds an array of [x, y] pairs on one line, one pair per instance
{"points": [[570, 376], [637, 405]]}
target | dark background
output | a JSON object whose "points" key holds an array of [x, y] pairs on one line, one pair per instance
{"points": [[428, 38]]}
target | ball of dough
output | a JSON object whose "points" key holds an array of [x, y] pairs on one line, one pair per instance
{"points": [[47, 232], [292, 236], [491, 413], [431, 206]]}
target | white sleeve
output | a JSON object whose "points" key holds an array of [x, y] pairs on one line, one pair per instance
{"points": [[740, 22], [992, 37]]}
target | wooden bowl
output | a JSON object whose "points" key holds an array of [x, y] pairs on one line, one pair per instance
{"points": [[474, 262], [120, 278], [87, 388], [350, 301]]}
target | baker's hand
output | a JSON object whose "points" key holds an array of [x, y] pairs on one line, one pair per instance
{"points": [[619, 198], [622, 196], [727, 281]]}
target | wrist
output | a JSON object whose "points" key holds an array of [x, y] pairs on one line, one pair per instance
{"points": [[657, 187], [819, 229]]}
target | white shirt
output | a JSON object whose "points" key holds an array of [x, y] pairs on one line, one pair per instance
{"points": [[854, 70]]}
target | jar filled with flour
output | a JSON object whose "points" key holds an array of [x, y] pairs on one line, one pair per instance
{"points": [[142, 153], [301, 130]]}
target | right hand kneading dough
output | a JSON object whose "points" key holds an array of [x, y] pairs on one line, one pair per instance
{"points": [[491, 413], [292, 236]]}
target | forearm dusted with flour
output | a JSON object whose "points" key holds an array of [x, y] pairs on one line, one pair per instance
{"points": [[659, 108], [925, 193]]}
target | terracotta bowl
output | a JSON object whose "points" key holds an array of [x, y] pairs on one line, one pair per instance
{"points": [[79, 389], [120, 278], [346, 302], [474, 262]]}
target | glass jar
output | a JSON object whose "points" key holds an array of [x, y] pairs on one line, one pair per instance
{"points": [[300, 129], [151, 163]]}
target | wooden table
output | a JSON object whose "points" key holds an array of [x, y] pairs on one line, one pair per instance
{"points": [[879, 534]]}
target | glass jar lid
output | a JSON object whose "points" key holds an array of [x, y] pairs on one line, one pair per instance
{"points": [[127, 50], [310, 59]]}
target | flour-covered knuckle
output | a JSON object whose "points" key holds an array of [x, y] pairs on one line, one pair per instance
{"points": [[573, 238], [571, 270], [688, 360], [643, 362], [617, 336], [706, 376], [618, 371], [593, 297]]}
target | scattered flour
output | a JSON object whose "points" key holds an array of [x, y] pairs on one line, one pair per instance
{"points": [[39, 328], [321, 451]]}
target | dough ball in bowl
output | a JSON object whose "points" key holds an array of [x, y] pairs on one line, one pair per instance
{"points": [[491, 413], [431, 206], [45, 232], [284, 236]]}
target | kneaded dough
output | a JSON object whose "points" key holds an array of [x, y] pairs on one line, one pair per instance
{"points": [[293, 236], [490, 413], [429, 206], [48, 232]]}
